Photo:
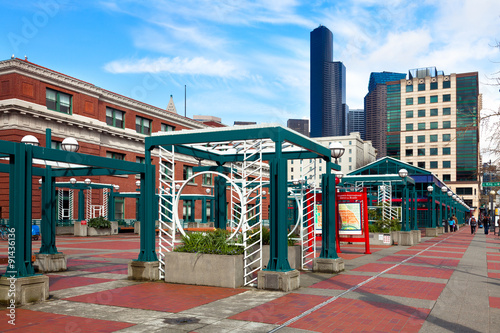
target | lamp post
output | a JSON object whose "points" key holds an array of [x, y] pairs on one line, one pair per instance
{"points": [[492, 195], [337, 150], [442, 197], [403, 173], [430, 189], [30, 140], [70, 144]]}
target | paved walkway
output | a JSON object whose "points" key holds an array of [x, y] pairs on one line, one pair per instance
{"points": [[450, 283]]}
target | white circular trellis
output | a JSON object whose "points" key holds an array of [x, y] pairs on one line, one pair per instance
{"points": [[233, 185]]}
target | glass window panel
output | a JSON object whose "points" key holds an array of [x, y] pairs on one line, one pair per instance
{"points": [[409, 127], [433, 138], [446, 98], [409, 88], [433, 151], [421, 113], [446, 151], [421, 100], [446, 137], [446, 164], [409, 152], [434, 125], [421, 86], [434, 112], [421, 126], [446, 111], [433, 164], [446, 84], [409, 114], [409, 139], [434, 99], [446, 124], [421, 138], [434, 85], [421, 151], [409, 101], [421, 165]]}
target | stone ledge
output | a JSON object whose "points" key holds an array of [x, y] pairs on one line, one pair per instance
{"points": [[50, 262], [143, 270], [29, 289], [431, 232], [326, 265], [281, 281], [406, 238]]}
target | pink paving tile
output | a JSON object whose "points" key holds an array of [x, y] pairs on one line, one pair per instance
{"points": [[158, 296], [493, 266], [403, 288], [434, 261], [350, 315], [440, 273], [494, 275], [68, 252], [58, 282], [113, 269], [119, 245], [28, 321], [349, 256], [394, 258], [281, 309], [490, 257], [340, 282], [80, 262], [495, 302], [120, 255]]}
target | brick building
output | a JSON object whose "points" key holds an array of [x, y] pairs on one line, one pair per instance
{"points": [[34, 98]]}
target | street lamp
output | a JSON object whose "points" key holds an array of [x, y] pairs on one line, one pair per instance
{"points": [[116, 187], [403, 173], [492, 194], [70, 144], [87, 181], [337, 150], [40, 181], [207, 191], [72, 181], [138, 183], [30, 140]]}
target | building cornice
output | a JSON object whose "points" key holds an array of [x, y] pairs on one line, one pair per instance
{"points": [[58, 79]]}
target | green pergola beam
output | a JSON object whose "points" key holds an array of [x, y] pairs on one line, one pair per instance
{"points": [[82, 172]]}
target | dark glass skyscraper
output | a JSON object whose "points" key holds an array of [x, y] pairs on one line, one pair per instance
{"points": [[328, 101], [376, 110]]}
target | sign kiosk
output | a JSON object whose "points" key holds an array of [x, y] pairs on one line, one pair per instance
{"points": [[352, 217]]}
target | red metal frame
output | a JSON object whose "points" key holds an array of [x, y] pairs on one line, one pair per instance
{"points": [[361, 197]]}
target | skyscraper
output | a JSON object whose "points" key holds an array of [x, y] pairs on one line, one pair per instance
{"points": [[376, 110], [328, 101], [433, 123], [356, 122], [299, 125]]}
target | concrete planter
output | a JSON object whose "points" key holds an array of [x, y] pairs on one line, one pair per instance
{"points": [[294, 257], [98, 232], [66, 230], [204, 269], [377, 238]]}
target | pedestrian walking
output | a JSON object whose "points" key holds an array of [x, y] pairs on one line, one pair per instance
{"points": [[486, 223], [473, 225], [456, 222], [451, 223]]}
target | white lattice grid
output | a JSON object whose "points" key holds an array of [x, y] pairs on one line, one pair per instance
{"points": [[166, 192], [88, 210]]}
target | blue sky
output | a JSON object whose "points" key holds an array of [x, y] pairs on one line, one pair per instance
{"points": [[248, 60]]}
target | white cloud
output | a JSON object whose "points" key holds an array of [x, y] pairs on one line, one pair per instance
{"points": [[194, 66]]}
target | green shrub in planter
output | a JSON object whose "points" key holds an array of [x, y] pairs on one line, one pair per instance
{"points": [[384, 226], [266, 236], [99, 223], [211, 242]]}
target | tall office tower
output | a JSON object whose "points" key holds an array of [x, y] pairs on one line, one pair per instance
{"points": [[433, 123], [376, 110], [328, 102], [356, 122], [299, 125]]}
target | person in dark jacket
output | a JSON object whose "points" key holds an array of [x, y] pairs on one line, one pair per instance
{"points": [[473, 224], [486, 223]]}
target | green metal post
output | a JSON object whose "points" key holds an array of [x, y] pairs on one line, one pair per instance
{"points": [[415, 210], [220, 200], [404, 207], [81, 205], [329, 218], [20, 209], [111, 205], [432, 214], [203, 210], [278, 254], [147, 202], [48, 224]]}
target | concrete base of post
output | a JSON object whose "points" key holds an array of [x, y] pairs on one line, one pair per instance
{"points": [[417, 236], [47, 263], [27, 290], [282, 281], [325, 265], [143, 270], [114, 227], [440, 230], [406, 238], [431, 232], [395, 237], [137, 227], [80, 229]]}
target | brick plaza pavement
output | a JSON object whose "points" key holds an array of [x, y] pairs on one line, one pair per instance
{"points": [[449, 283]]}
